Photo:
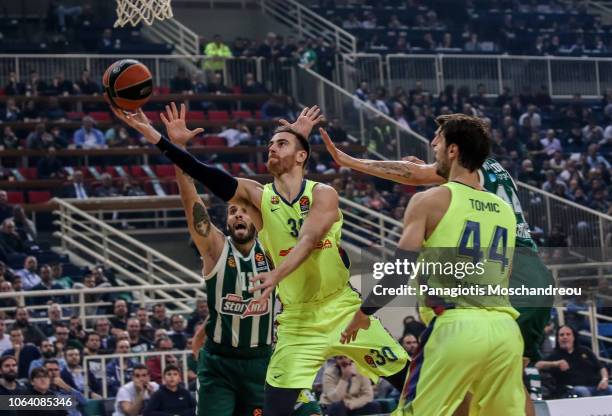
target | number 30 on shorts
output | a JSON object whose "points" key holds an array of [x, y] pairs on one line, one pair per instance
{"points": [[385, 354]]}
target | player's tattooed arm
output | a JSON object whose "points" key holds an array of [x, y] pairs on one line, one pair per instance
{"points": [[408, 172], [201, 219]]}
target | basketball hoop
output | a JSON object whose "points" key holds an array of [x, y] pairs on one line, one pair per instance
{"points": [[135, 11]]}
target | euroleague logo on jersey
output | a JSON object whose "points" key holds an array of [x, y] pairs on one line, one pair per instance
{"points": [[304, 205], [260, 261], [231, 262], [233, 304]]}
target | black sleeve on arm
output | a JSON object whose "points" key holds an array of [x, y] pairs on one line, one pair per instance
{"points": [[220, 183], [373, 302]]}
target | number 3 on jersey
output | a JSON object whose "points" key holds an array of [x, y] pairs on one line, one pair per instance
{"points": [[471, 232], [295, 226]]}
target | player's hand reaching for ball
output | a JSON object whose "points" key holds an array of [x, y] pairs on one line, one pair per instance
{"points": [[308, 118], [139, 122], [174, 121], [360, 321]]}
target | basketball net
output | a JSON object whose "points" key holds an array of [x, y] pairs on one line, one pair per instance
{"points": [[135, 11]]}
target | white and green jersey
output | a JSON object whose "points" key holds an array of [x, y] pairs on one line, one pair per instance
{"points": [[495, 179], [236, 322]]}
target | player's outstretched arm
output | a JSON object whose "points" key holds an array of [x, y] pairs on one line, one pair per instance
{"points": [[323, 213], [413, 235], [407, 172], [206, 236], [220, 183]]}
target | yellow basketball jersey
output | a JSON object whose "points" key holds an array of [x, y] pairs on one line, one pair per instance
{"points": [[478, 228], [325, 271]]}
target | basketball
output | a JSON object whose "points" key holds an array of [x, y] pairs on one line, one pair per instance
{"points": [[128, 84]]}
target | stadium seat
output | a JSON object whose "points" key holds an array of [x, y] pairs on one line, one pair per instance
{"points": [[164, 171], [161, 90], [242, 114], [262, 169], [29, 173], [137, 171], [258, 115], [15, 197], [195, 115], [236, 89], [74, 115], [218, 115], [100, 115], [236, 169], [215, 141], [38, 197]]}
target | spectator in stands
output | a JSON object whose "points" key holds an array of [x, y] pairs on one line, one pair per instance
{"points": [[77, 334], [49, 166], [61, 338], [6, 287], [76, 188], [120, 318], [159, 318], [47, 283], [6, 209], [9, 386], [345, 390], [252, 86], [40, 385], [5, 272], [14, 86], [413, 326], [138, 343], [575, 365], [107, 43], [31, 112], [54, 317], [86, 86], [181, 83], [234, 136], [88, 137], [146, 329], [102, 327], [10, 241], [47, 352], [216, 52], [274, 108], [410, 344], [23, 352], [551, 143], [307, 55], [198, 316], [326, 58], [60, 86], [352, 22], [177, 331], [528, 174], [58, 275], [61, 389], [29, 277], [132, 188], [35, 86], [38, 137], [54, 112], [113, 368], [11, 111], [216, 86], [5, 341], [154, 363], [9, 140], [106, 189], [473, 45], [594, 158], [74, 374], [171, 398]]}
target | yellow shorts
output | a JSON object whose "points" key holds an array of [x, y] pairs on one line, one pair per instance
{"points": [[467, 350], [309, 334]]}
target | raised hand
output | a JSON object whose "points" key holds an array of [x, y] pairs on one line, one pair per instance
{"points": [[139, 122], [176, 125], [339, 156], [308, 118]]}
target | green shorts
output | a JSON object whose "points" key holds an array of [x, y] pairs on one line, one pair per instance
{"points": [[528, 270], [308, 334], [235, 387]]}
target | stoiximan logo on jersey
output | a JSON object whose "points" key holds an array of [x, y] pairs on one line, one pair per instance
{"points": [[233, 304]]}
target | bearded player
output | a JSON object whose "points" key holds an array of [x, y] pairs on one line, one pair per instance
{"points": [[527, 268], [299, 223], [472, 343], [232, 362]]}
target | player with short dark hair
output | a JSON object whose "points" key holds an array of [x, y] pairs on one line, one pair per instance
{"points": [[472, 342], [311, 269]]}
